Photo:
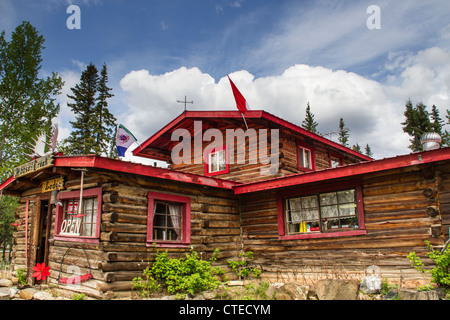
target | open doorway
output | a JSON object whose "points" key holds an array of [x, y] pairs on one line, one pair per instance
{"points": [[42, 232]]}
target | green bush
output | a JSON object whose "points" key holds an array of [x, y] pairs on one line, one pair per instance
{"points": [[188, 275], [242, 268], [21, 277], [440, 273]]}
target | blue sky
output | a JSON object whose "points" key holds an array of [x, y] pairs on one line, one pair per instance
{"points": [[281, 54]]}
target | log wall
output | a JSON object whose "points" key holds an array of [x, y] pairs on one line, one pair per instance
{"points": [[249, 172], [396, 221], [122, 253]]}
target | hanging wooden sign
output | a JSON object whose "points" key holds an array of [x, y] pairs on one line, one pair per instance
{"points": [[34, 165], [53, 184]]}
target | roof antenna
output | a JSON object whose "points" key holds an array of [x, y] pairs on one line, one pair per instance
{"points": [[185, 102]]}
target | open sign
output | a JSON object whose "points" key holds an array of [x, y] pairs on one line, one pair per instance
{"points": [[71, 227]]}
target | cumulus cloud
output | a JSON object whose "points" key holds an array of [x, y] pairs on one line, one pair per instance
{"points": [[372, 110], [332, 94]]}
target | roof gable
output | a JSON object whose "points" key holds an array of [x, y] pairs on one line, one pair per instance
{"points": [[159, 145]]}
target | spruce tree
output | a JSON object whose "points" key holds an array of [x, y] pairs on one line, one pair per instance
{"points": [[343, 133], [94, 127], [309, 123], [81, 139], [416, 124], [369, 151], [357, 148], [103, 121]]}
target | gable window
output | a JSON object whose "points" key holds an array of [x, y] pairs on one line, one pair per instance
{"points": [[168, 222], [305, 157], [73, 224], [217, 161], [321, 214]]}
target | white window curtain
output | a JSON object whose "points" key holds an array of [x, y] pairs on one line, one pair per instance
{"points": [[175, 216]]}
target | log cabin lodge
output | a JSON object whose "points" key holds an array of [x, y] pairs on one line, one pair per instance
{"points": [[327, 211]]}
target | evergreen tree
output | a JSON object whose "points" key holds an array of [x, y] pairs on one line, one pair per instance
{"points": [[343, 133], [81, 139], [309, 123], [357, 148], [103, 121], [437, 125], [369, 151], [416, 124], [93, 129]]}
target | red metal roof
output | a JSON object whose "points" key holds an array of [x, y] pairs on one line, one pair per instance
{"points": [[159, 145], [92, 161], [347, 171]]}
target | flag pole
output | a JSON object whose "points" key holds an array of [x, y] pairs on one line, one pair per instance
{"points": [[243, 117]]}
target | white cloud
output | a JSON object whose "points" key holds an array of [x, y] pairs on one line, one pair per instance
{"points": [[363, 103]]}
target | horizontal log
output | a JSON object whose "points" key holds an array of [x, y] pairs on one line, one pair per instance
{"points": [[110, 197], [115, 286], [125, 218], [123, 227], [122, 266], [124, 208]]}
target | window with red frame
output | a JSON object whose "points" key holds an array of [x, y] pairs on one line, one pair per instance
{"points": [[335, 160], [72, 224], [305, 156], [318, 214], [168, 219], [217, 161]]}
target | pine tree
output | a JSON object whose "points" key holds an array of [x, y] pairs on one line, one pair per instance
{"points": [[309, 123], [94, 127], [103, 122], [343, 133]]}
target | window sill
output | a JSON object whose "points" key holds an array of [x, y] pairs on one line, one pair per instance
{"points": [[76, 239], [323, 235], [168, 245], [305, 169], [216, 173]]}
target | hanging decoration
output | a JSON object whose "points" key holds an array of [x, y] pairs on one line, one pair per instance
{"points": [[41, 271]]}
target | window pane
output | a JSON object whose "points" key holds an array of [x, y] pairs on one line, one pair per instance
{"points": [[326, 212], [327, 199], [334, 162], [347, 210], [222, 161], [305, 158], [330, 211], [213, 162], [167, 221], [347, 196], [310, 202]]}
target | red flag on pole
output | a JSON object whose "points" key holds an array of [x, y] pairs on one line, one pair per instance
{"points": [[241, 103]]}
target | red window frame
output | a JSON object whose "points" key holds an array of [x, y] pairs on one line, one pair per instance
{"points": [[88, 193], [335, 155], [186, 206], [227, 162], [304, 145], [306, 191]]}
